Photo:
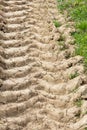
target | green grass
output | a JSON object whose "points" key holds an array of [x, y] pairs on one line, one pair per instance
{"points": [[56, 23], [77, 11], [85, 128], [82, 25]]}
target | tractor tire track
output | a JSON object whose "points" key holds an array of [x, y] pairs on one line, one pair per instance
{"points": [[37, 90]]}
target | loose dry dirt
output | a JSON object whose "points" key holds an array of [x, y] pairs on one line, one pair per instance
{"points": [[39, 85]]}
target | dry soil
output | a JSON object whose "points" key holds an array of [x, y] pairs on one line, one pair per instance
{"points": [[42, 82]]}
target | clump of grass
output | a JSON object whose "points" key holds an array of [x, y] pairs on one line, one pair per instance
{"points": [[63, 6], [82, 25], [85, 128], [78, 102], [77, 10], [56, 23], [74, 75]]}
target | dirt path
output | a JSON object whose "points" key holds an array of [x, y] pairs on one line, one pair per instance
{"points": [[39, 86]]}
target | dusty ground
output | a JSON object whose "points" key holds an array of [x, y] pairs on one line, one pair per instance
{"points": [[41, 82]]}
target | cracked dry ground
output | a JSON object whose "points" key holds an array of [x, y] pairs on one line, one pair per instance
{"points": [[36, 91]]}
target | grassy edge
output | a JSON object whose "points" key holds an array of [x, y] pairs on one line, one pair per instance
{"points": [[77, 11]]}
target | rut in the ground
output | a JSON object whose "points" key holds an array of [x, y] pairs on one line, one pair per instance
{"points": [[39, 85]]}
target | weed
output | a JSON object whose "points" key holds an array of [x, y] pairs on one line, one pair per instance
{"points": [[74, 75], [56, 23], [78, 102]]}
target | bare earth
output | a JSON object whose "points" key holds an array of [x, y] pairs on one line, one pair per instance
{"points": [[36, 91]]}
